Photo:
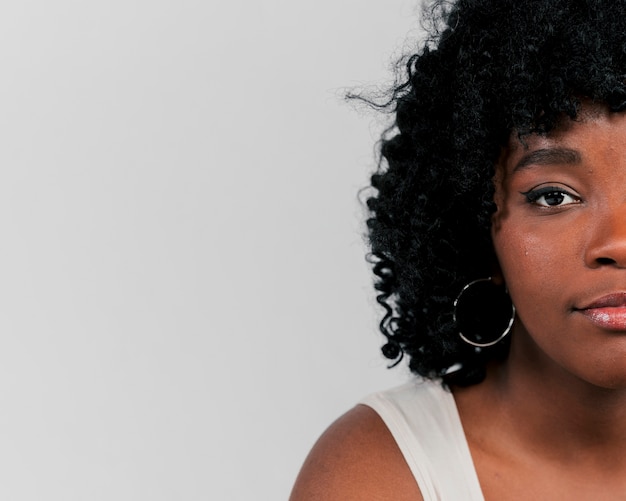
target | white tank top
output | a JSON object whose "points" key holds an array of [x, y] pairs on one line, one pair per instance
{"points": [[424, 421]]}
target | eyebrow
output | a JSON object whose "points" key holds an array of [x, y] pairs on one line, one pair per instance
{"points": [[549, 156]]}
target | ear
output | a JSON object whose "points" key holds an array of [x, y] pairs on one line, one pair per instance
{"points": [[496, 274]]}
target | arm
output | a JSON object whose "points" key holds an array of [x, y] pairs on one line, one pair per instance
{"points": [[356, 459]]}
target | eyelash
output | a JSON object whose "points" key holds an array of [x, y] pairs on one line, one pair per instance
{"points": [[533, 196]]}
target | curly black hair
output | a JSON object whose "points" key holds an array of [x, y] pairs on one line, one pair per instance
{"points": [[489, 69]]}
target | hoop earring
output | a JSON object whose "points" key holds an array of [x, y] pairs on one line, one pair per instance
{"points": [[478, 344]]}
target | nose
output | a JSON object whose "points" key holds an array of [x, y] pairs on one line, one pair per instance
{"points": [[607, 245]]}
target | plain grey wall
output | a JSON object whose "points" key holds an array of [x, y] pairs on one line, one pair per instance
{"points": [[185, 304]]}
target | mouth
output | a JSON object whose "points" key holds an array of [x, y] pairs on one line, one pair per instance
{"points": [[607, 312]]}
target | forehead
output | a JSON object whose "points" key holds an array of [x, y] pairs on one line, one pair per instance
{"points": [[594, 123]]}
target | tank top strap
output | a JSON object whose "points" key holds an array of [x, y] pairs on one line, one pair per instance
{"points": [[423, 418]]}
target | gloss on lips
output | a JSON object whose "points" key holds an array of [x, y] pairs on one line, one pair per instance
{"points": [[607, 312]]}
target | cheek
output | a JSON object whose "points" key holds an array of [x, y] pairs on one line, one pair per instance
{"points": [[535, 266], [517, 262]]}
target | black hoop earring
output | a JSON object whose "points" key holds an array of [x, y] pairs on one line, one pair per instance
{"points": [[479, 343]]}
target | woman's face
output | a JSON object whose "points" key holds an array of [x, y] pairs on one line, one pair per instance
{"points": [[560, 236]]}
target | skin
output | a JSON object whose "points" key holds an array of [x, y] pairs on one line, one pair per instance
{"points": [[550, 421]]}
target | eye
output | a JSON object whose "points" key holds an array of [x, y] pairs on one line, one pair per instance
{"points": [[550, 196]]}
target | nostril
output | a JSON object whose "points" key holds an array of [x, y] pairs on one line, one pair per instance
{"points": [[605, 260]]}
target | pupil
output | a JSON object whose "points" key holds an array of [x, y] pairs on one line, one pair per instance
{"points": [[554, 198]]}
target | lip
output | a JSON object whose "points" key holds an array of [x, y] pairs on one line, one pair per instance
{"points": [[607, 312]]}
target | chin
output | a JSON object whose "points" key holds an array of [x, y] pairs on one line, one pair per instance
{"points": [[614, 381]]}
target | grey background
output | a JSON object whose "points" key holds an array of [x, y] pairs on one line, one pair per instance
{"points": [[185, 304]]}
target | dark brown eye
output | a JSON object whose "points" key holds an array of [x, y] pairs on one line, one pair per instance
{"points": [[554, 198], [550, 196]]}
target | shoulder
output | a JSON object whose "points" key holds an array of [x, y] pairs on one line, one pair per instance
{"points": [[356, 458]]}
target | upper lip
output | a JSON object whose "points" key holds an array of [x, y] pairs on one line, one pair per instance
{"points": [[613, 300]]}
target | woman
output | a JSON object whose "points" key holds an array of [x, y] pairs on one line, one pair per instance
{"points": [[498, 228]]}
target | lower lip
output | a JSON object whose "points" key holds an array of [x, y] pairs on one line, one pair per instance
{"points": [[613, 318]]}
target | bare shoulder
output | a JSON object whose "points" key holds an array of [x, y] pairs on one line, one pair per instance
{"points": [[356, 458]]}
